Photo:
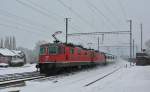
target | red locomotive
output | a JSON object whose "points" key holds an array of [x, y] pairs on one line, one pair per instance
{"points": [[57, 55]]}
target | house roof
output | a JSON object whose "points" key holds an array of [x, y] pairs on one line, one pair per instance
{"points": [[16, 51], [7, 52]]}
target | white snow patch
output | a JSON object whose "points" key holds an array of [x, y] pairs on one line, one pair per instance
{"points": [[11, 70]]}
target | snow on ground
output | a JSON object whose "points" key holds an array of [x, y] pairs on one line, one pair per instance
{"points": [[11, 70], [127, 79], [73, 83], [134, 79]]}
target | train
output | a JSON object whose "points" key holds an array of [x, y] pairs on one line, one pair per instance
{"points": [[56, 56], [142, 59]]}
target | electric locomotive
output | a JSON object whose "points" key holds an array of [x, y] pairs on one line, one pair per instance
{"points": [[57, 55], [54, 56]]}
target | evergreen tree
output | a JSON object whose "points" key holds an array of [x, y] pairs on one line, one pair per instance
{"points": [[1, 43], [10, 43], [14, 43], [6, 42]]}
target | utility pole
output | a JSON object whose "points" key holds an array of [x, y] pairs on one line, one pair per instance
{"points": [[141, 37], [133, 48], [66, 20], [130, 21], [102, 38], [98, 43]]}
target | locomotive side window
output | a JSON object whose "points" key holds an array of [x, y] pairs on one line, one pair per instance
{"points": [[72, 50], [42, 50], [79, 51], [61, 50], [53, 50]]}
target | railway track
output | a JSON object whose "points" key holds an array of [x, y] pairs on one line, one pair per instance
{"points": [[18, 79], [102, 77]]}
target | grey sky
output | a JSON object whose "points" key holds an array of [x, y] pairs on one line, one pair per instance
{"points": [[34, 25]]}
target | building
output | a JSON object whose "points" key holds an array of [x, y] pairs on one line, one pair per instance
{"points": [[11, 57]]}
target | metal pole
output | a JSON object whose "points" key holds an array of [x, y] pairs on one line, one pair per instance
{"points": [[98, 43], [102, 38], [141, 37], [66, 30], [133, 48], [130, 40]]}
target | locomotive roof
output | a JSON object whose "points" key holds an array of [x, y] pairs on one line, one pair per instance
{"points": [[71, 45]]}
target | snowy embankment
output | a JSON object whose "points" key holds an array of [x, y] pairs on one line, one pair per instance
{"points": [[11, 70], [74, 82]]}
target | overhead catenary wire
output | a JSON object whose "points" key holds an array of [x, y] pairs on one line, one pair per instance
{"points": [[95, 12], [41, 10], [77, 14], [102, 14], [23, 25], [99, 33], [122, 9], [52, 13], [45, 9], [38, 10], [22, 29], [111, 12], [35, 8], [17, 18]]}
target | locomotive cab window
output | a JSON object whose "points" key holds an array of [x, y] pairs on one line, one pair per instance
{"points": [[42, 50], [53, 50]]}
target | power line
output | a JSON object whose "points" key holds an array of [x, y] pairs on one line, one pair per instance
{"points": [[28, 21], [43, 8], [93, 10], [41, 11], [23, 25], [38, 10], [19, 28], [109, 10], [101, 13], [123, 9], [77, 14]]}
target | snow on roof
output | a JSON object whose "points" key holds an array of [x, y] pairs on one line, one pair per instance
{"points": [[16, 51], [7, 52]]}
